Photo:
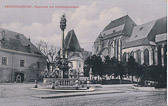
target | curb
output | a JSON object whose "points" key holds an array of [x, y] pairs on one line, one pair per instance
{"points": [[48, 96], [56, 90], [148, 89]]}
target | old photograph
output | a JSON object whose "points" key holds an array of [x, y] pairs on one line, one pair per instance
{"points": [[83, 53]]}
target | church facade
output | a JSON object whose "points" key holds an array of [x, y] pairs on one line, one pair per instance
{"points": [[74, 53], [122, 38], [20, 60]]}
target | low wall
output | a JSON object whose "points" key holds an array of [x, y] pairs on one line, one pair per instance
{"points": [[59, 81]]}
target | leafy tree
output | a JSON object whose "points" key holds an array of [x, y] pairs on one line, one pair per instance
{"points": [[94, 62], [107, 66], [120, 70], [132, 67]]}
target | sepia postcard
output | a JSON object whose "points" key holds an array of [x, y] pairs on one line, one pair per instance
{"points": [[83, 53]]}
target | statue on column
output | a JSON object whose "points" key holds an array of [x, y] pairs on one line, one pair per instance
{"points": [[63, 22]]}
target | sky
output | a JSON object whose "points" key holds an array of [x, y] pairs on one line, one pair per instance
{"points": [[87, 21]]}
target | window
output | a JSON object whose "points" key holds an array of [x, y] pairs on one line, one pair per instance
{"points": [[38, 64], [140, 28], [4, 60], [22, 63], [79, 64], [136, 36]]}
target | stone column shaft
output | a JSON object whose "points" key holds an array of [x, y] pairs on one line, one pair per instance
{"points": [[62, 45]]}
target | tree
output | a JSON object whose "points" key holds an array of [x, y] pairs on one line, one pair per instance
{"points": [[132, 67], [107, 66], [114, 65], [120, 70], [50, 51], [94, 62]]}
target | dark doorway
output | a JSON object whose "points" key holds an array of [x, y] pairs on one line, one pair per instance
{"points": [[19, 77]]}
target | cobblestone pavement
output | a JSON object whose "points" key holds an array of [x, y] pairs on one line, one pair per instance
{"points": [[21, 95]]}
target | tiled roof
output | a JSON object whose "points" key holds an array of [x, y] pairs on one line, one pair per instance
{"points": [[71, 42], [139, 42], [115, 23], [161, 37], [141, 31], [145, 34], [17, 42], [123, 25]]}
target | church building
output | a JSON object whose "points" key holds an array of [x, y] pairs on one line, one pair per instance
{"points": [[123, 38], [75, 54]]}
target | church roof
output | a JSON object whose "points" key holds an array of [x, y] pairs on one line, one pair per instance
{"points": [[17, 42], [145, 33], [115, 23], [71, 42], [123, 25]]}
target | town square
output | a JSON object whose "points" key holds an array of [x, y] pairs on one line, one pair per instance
{"points": [[77, 53]]}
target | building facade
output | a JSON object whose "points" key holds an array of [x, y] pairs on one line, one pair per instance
{"points": [[20, 60], [122, 38]]}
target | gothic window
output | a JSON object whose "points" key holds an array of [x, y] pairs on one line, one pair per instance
{"points": [[79, 64], [132, 54], [146, 56], [124, 57], [139, 56], [153, 54], [165, 54], [115, 49], [159, 55]]}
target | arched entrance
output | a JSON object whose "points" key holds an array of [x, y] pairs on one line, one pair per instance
{"points": [[19, 77]]}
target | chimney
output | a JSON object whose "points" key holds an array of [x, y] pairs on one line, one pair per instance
{"points": [[29, 38]]}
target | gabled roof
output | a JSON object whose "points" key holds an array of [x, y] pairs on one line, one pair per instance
{"points": [[115, 23], [145, 33], [17, 42], [71, 42], [123, 25]]}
